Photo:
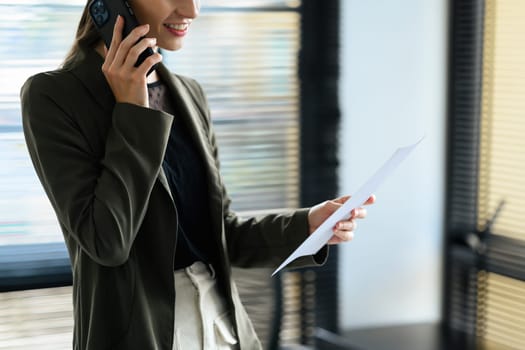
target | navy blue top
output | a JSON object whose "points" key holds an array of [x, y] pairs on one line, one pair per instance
{"points": [[184, 169]]}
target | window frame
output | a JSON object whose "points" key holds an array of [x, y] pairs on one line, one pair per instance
{"points": [[320, 119]]}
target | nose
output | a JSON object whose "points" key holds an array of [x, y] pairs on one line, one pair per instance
{"points": [[188, 8]]}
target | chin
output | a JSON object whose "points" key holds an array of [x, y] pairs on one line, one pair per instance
{"points": [[171, 46]]}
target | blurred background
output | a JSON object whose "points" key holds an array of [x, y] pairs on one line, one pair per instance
{"points": [[308, 99]]}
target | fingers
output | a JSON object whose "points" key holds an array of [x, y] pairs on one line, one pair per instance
{"points": [[127, 47], [358, 213], [336, 240], [345, 226], [137, 49], [149, 62], [342, 200], [117, 37], [343, 232], [125, 52], [128, 82], [370, 200]]}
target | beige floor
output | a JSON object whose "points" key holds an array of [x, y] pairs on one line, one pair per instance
{"points": [[43, 318], [36, 319]]}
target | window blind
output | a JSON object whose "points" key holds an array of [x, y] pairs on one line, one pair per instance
{"points": [[501, 309], [502, 164], [246, 62], [485, 282]]}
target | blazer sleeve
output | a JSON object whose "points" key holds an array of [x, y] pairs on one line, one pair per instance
{"points": [[100, 203], [263, 241]]}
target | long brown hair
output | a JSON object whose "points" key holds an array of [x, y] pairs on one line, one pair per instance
{"points": [[87, 37]]}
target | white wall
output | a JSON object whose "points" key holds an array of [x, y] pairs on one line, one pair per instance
{"points": [[392, 92]]}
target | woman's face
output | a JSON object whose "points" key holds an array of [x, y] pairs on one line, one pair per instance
{"points": [[169, 20]]}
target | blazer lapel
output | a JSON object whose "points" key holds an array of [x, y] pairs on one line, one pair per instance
{"points": [[164, 181], [90, 73], [187, 110]]}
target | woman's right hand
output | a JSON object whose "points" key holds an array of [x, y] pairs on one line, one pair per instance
{"points": [[129, 83]]}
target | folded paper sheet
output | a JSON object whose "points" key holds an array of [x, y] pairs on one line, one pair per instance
{"points": [[323, 234]]}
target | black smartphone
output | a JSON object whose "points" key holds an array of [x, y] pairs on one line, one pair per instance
{"points": [[104, 14]]}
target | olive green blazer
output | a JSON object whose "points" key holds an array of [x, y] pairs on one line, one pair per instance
{"points": [[100, 165]]}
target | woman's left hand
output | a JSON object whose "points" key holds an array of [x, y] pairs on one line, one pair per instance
{"points": [[344, 229]]}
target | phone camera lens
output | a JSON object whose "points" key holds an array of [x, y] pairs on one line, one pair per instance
{"points": [[99, 13], [98, 7]]}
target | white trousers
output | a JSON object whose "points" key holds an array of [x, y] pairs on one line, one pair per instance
{"points": [[202, 320]]}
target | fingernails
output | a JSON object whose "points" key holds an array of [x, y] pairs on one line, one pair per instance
{"points": [[341, 226], [142, 30]]}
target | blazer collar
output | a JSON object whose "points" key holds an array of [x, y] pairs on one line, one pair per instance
{"points": [[187, 108], [89, 72], [190, 107]]}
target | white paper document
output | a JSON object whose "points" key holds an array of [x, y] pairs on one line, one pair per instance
{"points": [[323, 234]]}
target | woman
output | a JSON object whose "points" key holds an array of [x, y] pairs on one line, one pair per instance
{"points": [[129, 163]]}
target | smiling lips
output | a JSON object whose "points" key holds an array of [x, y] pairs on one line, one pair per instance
{"points": [[177, 29]]}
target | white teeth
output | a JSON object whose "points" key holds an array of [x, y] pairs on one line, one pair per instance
{"points": [[177, 26]]}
